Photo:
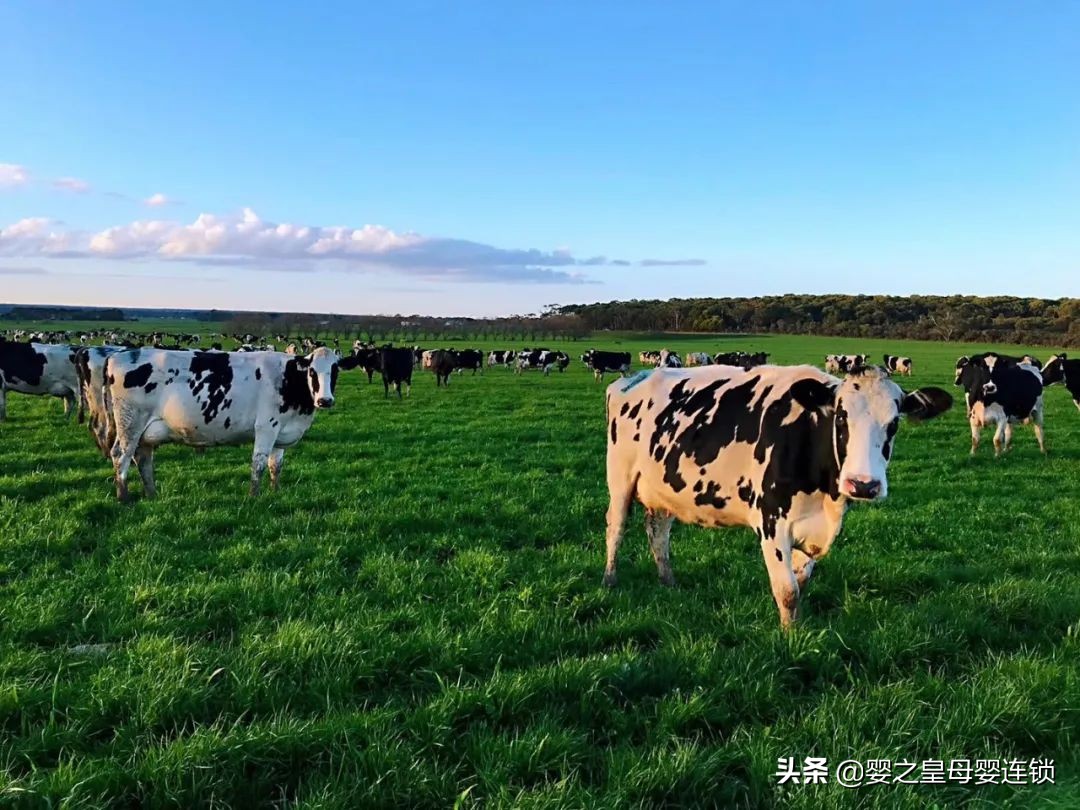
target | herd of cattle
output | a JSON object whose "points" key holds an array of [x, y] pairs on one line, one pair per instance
{"points": [[732, 441]]}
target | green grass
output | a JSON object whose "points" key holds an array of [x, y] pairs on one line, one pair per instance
{"points": [[416, 618]]}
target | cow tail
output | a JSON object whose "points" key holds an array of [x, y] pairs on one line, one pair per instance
{"points": [[106, 397]]}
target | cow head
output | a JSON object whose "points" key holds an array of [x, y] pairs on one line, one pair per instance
{"points": [[320, 371], [866, 410]]}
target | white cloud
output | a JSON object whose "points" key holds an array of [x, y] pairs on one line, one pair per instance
{"points": [[245, 240], [71, 184], [158, 200], [12, 174]]}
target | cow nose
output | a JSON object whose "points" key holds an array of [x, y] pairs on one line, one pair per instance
{"points": [[325, 403], [863, 488]]}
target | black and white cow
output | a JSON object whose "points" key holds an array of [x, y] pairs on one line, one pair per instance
{"points": [[1001, 392], [366, 358], [600, 362], [442, 362], [781, 449], [669, 359], [543, 359], [90, 370], [698, 359], [742, 359], [845, 363], [397, 368], [469, 358], [895, 364], [202, 399], [501, 357], [42, 369], [1060, 369]]}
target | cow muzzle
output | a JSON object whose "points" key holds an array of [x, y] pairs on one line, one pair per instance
{"points": [[862, 489], [324, 402]]}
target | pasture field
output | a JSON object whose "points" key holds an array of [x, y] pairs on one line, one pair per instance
{"points": [[416, 619]]}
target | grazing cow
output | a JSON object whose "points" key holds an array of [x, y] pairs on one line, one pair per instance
{"points": [[698, 359], [781, 449], [469, 358], [845, 363], [744, 360], [90, 370], [599, 362], [649, 358], [38, 368], [1001, 392], [442, 362], [202, 399], [1060, 369], [895, 364], [397, 368]]}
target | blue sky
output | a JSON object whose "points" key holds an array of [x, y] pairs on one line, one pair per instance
{"points": [[468, 158]]}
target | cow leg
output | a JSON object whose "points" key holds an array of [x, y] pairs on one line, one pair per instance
{"points": [[3, 402], [69, 404], [658, 528], [975, 432], [1001, 433], [785, 587], [144, 458], [1037, 425], [620, 498], [260, 457], [802, 565], [408, 388], [122, 454], [276, 462]]}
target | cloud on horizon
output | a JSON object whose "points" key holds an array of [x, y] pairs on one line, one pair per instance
{"points": [[246, 240]]}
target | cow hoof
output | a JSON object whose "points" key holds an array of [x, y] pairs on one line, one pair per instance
{"points": [[610, 580], [667, 580]]}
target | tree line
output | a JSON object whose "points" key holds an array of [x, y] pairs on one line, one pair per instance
{"points": [[995, 319]]}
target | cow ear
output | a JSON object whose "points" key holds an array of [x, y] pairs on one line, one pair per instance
{"points": [[925, 403], [963, 361], [813, 395], [349, 363]]}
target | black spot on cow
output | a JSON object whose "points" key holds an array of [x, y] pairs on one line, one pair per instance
{"points": [[149, 387], [138, 377], [698, 486], [228, 421], [614, 432], [779, 555], [637, 436], [634, 411], [711, 497], [886, 449], [211, 373], [295, 394], [258, 374], [624, 409]]}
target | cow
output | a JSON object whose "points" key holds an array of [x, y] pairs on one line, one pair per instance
{"points": [[202, 399], [982, 359], [743, 360], [1060, 369], [396, 366], [649, 357], [845, 363], [1001, 392], [669, 359], [469, 358], [780, 449], [501, 357], [543, 359], [41, 369], [600, 362], [442, 362], [698, 359], [895, 364], [366, 358], [90, 371]]}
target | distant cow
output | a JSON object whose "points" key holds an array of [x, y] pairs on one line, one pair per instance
{"points": [[469, 358], [501, 357], [781, 449], [600, 362], [543, 359], [669, 359], [1001, 392], [698, 359], [202, 399], [845, 363], [366, 358], [442, 362], [397, 368], [744, 360], [38, 368], [649, 358], [1060, 369], [895, 364]]}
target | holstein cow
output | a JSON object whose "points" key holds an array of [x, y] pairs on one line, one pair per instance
{"points": [[397, 368], [649, 357], [1060, 369], [698, 359], [469, 358], [90, 370], [845, 363], [599, 362], [202, 399], [745, 360], [38, 368], [781, 449], [543, 359], [669, 359], [501, 357], [898, 365], [1001, 392]]}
